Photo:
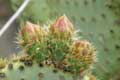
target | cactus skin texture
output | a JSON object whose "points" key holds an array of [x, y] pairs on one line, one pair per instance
{"points": [[21, 69], [51, 52], [98, 20]]}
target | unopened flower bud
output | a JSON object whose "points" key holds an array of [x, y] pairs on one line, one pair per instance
{"points": [[82, 56], [62, 26], [82, 48], [31, 32]]}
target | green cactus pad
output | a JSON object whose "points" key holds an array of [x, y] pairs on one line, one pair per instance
{"points": [[21, 69]]}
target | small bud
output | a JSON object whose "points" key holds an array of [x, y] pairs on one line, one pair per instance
{"points": [[31, 32], [62, 25], [83, 52], [82, 48]]}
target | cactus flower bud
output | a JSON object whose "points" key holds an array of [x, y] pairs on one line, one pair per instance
{"points": [[82, 48], [31, 32], [82, 52], [61, 26]]}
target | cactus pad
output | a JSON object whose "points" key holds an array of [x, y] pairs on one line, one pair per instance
{"points": [[98, 21], [51, 52]]}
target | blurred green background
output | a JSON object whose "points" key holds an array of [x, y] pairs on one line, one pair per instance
{"points": [[98, 21]]}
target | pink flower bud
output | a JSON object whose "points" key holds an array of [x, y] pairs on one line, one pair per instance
{"points": [[62, 25], [30, 32]]}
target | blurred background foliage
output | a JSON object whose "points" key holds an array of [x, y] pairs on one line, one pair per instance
{"points": [[98, 21]]}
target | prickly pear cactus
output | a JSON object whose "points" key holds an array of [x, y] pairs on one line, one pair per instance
{"points": [[51, 52], [98, 20]]}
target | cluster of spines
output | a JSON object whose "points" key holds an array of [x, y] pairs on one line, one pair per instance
{"points": [[56, 45]]}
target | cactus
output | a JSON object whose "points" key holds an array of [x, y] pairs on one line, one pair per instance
{"points": [[98, 21], [50, 52]]}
